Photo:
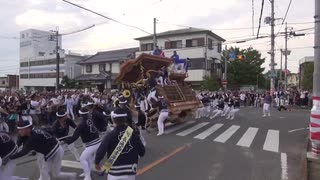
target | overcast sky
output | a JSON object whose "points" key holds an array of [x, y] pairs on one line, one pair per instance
{"points": [[217, 15]]}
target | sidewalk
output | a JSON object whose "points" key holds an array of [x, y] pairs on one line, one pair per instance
{"points": [[312, 164]]}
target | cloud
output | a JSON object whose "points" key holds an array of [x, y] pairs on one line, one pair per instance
{"points": [[41, 19], [210, 14]]}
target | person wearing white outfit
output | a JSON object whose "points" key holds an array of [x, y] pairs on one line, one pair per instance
{"points": [[235, 108], [163, 115], [219, 109], [69, 102], [90, 137], [266, 105]]}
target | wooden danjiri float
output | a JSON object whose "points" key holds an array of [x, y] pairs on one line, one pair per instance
{"points": [[179, 96]]}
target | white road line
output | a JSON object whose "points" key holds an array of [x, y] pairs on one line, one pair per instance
{"points": [[73, 164], [248, 137], [209, 131], [284, 166], [227, 134], [300, 129], [192, 129], [272, 141], [178, 127]]}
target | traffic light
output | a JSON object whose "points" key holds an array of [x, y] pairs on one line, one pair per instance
{"points": [[241, 57]]}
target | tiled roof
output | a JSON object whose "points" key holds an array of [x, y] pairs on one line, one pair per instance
{"points": [[111, 56]]}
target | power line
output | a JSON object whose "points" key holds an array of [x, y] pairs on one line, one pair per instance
{"points": [[225, 29], [285, 16], [109, 18], [261, 12]]}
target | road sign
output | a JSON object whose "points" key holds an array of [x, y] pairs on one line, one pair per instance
{"points": [[232, 56], [272, 75], [225, 82]]}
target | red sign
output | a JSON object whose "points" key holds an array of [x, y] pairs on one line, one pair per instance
{"points": [[225, 82]]}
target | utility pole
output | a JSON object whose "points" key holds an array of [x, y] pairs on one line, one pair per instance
{"points": [[58, 60], [272, 49], [280, 79], [154, 33], [315, 111], [286, 58], [225, 68]]}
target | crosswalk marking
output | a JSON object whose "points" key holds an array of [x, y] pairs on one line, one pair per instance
{"points": [[178, 127], [192, 129], [227, 134], [209, 131], [248, 137], [272, 141]]}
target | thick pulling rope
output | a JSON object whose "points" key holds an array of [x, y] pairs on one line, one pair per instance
{"points": [[117, 151]]}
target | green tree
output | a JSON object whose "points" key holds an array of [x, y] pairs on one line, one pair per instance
{"points": [[247, 71], [210, 83], [68, 83], [307, 81]]}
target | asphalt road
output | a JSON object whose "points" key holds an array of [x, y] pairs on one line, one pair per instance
{"points": [[250, 147]]}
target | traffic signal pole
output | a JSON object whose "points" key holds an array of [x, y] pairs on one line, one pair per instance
{"points": [[225, 69], [286, 59], [315, 111]]}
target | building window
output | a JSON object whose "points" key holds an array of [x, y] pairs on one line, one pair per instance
{"points": [[219, 47], [40, 75], [22, 36], [195, 42], [108, 67], [3, 82], [147, 47], [197, 63], [102, 67], [25, 43], [210, 44], [173, 44], [88, 68], [41, 53]]}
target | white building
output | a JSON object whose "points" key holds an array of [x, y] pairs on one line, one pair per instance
{"points": [[37, 43], [201, 46], [38, 60]]}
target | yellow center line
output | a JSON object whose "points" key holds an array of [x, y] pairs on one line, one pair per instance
{"points": [[157, 162]]}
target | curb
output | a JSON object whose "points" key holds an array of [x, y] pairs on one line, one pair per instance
{"points": [[304, 161]]}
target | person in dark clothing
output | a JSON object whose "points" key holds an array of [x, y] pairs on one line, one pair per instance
{"points": [[219, 110], [7, 148], [90, 137], [46, 144], [141, 117], [107, 115], [125, 166], [97, 117], [141, 123], [123, 106], [61, 128]]}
